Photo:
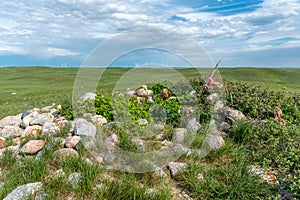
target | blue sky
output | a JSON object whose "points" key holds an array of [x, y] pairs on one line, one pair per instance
{"points": [[261, 33]]}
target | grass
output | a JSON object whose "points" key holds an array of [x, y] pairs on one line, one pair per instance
{"points": [[225, 172]]}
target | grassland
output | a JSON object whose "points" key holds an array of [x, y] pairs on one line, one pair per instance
{"points": [[41, 86]]}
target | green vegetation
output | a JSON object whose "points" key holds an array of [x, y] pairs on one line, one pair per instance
{"points": [[223, 174]]}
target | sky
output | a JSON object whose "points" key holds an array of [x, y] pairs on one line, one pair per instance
{"points": [[244, 33]]}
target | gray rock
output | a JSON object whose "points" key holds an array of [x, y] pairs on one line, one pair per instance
{"points": [[40, 196], [176, 167], [49, 128], [109, 158], [41, 119], [75, 179], [27, 118], [212, 97], [130, 93], [10, 121], [193, 125], [24, 191], [215, 142], [224, 126], [89, 95], [26, 113], [142, 122], [179, 135], [10, 132], [111, 142], [84, 128], [55, 113], [179, 149]]}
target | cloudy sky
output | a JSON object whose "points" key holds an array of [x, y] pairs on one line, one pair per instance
{"points": [[261, 33]]}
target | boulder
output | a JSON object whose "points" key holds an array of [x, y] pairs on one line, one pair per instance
{"points": [[71, 142], [31, 131], [49, 128], [10, 121], [41, 119], [214, 142], [234, 115], [98, 120], [25, 191], [176, 167], [84, 128], [10, 132], [89, 95], [32, 146], [179, 135]]}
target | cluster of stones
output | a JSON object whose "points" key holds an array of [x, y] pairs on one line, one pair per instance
{"points": [[48, 121]]}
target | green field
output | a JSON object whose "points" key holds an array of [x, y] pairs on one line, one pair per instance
{"points": [[42, 86]]}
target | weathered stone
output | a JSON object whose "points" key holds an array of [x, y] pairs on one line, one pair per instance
{"points": [[41, 196], [49, 128], [130, 93], [187, 111], [42, 119], [160, 172], [98, 120], [142, 122], [89, 95], [27, 118], [75, 179], [218, 105], [193, 125], [71, 142], [3, 142], [215, 142], [142, 92], [150, 100], [234, 115], [13, 149], [176, 167], [26, 113], [55, 113], [46, 109], [24, 191], [9, 132], [65, 153], [179, 149], [84, 128], [159, 136], [224, 126], [179, 135], [32, 146], [31, 131], [212, 97], [10, 121]]}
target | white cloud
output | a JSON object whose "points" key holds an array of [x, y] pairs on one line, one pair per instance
{"points": [[60, 52]]}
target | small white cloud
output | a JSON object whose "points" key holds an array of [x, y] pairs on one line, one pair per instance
{"points": [[53, 52]]}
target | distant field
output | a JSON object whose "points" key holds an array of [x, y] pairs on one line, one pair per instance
{"points": [[41, 86]]}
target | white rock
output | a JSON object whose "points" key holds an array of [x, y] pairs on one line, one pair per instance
{"points": [[176, 167], [215, 142], [84, 128], [9, 132], [10, 121], [89, 95], [24, 191], [179, 135]]}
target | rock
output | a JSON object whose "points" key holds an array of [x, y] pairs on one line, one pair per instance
{"points": [[49, 128], [57, 174], [75, 179], [142, 92], [89, 95], [32, 146], [42, 119], [111, 142], [13, 149], [212, 97], [160, 172], [130, 93], [40, 196], [109, 158], [84, 128], [31, 131], [26, 113], [71, 142], [27, 118], [65, 153], [24, 191], [151, 192], [157, 128], [224, 126], [187, 111], [193, 125], [3, 142], [55, 113], [267, 176], [142, 122], [159, 136], [10, 121], [98, 120], [150, 100], [176, 167], [218, 105], [179, 149], [9, 132], [215, 142], [179, 135], [234, 115]]}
